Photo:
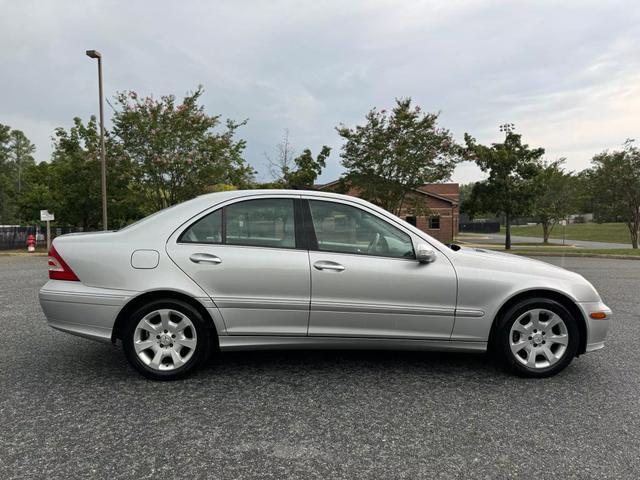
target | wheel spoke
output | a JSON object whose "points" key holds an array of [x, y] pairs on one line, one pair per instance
{"points": [[142, 345], [560, 339], [546, 351], [553, 321], [531, 357], [181, 325], [164, 319], [148, 326], [186, 342], [177, 359], [157, 359], [516, 347], [535, 318], [523, 329]]}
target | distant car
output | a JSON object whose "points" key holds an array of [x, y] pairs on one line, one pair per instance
{"points": [[286, 269]]}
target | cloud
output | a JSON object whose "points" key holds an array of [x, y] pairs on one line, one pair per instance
{"points": [[567, 74]]}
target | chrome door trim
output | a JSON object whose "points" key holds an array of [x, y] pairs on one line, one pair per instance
{"points": [[261, 303], [469, 312], [378, 308]]}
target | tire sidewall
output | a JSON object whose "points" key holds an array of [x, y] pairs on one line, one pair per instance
{"points": [[201, 353], [504, 331]]}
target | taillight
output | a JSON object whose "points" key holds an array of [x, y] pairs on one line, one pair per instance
{"points": [[58, 268]]}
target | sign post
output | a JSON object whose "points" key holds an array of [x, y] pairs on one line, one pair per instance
{"points": [[45, 216]]}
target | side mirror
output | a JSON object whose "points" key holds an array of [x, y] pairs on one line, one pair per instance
{"points": [[424, 253]]}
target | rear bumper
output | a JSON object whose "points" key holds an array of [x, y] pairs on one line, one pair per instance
{"points": [[75, 308], [596, 329]]}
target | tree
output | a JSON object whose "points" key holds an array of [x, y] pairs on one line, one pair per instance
{"points": [[174, 148], [73, 178], [16, 154], [308, 168], [281, 164], [291, 171], [614, 180], [22, 153], [6, 175], [555, 199], [512, 185], [395, 153]]}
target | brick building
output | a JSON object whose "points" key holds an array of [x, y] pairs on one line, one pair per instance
{"points": [[439, 200]]}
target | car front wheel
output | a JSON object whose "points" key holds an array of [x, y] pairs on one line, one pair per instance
{"points": [[538, 337], [166, 340]]}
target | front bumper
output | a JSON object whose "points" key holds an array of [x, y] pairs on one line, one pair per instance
{"points": [[596, 329], [81, 310]]}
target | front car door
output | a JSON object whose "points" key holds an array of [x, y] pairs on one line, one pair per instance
{"points": [[365, 281], [249, 259]]}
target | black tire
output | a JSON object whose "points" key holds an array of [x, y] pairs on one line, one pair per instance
{"points": [[502, 346], [204, 332]]}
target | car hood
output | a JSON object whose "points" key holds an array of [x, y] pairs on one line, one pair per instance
{"points": [[524, 271]]}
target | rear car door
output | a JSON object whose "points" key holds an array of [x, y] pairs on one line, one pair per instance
{"points": [[366, 281], [247, 256]]}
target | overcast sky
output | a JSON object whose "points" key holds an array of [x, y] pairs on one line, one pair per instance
{"points": [[567, 73]]}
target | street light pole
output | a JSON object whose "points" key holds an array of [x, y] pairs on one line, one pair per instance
{"points": [[103, 176]]}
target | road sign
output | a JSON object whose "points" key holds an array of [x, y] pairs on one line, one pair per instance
{"points": [[45, 216]]}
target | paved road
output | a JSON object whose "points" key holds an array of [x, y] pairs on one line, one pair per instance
{"points": [[73, 408], [498, 238]]}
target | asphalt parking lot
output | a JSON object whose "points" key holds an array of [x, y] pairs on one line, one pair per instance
{"points": [[73, 408]]}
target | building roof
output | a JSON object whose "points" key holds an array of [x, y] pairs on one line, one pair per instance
{"points": [[417, 190]]}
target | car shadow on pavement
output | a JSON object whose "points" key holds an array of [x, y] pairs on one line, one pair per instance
{"points": [[92, 358]]}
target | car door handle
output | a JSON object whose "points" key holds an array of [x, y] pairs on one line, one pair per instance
{"points": [[327, 265], [205, 258]]}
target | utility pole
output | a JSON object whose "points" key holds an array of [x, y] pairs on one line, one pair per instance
{"points": [[96, 54], [507, 128]]}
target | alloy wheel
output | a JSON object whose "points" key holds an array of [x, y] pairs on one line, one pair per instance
{"points": [[165, 339], [538, 338]]}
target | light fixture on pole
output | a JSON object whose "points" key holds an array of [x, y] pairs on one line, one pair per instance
{"points": [[507, 128], [103, 176]]}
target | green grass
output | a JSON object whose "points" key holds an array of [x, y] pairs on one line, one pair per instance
{"points": [[570, 251], [595, 232]]}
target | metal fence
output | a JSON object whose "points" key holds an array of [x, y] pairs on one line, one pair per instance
{"points": [[480, 227], [15, 237]]}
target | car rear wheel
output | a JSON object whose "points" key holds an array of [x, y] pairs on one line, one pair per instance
{"points": [[166, 340], [537, 337]]}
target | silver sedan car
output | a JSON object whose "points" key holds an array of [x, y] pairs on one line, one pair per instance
{"points": [[276, 269]]}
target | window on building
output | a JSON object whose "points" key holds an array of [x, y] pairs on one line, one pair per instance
{"points": [[434, 222], [412, 220]]}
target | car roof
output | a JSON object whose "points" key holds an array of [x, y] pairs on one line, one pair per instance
{"points": [[183, 212]]}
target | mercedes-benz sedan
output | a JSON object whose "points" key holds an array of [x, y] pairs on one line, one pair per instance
{"points": [[305, 269]]}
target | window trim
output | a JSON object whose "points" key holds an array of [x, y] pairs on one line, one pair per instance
{"points": [[180, 239], [297, 216], [432, 217], [314, 238]]}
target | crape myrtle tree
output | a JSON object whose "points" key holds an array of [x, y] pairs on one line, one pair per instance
{"points": [[513, 182], [555, 200], [177, 151], [395, 152], [614, 180]]}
